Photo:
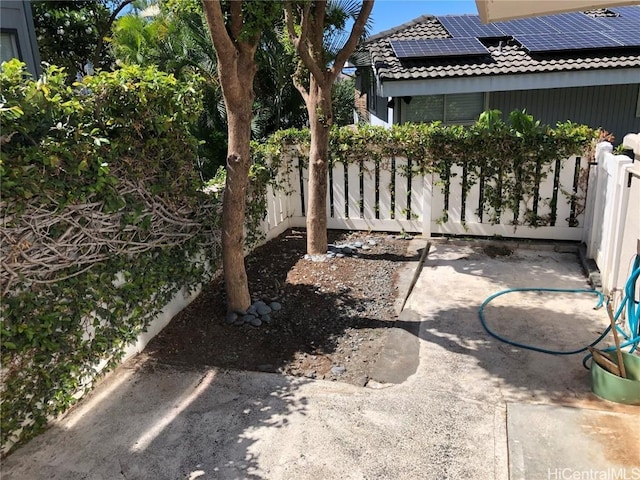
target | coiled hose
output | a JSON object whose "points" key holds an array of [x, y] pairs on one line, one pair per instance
{"points": [[631, 339]]}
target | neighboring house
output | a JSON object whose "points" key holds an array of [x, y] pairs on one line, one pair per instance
{"points": [[17, 34], [583, 67]]}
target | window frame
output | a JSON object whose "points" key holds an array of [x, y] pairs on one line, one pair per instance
{"points": [[15, 41], [444, 120], [465, 121], [372, 97]]}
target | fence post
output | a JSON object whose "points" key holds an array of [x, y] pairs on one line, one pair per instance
{"points": [[427, 198], [598, 195], [609, 213], [617, 232]]}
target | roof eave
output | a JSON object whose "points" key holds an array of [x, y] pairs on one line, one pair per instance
{"points": [[508, 82], [500, 10]]}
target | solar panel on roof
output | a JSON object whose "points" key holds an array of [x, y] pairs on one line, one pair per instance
{"points": [[629, 12], [525, 26], [573, 22], [462, 26], [439, 47], [628, 38], [564, 41], [618, 23]]}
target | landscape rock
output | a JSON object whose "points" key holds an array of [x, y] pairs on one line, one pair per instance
{"points": [[263, 309], [230, 318], [275, 306], [265, 318], [256, 322], [338, 370]]}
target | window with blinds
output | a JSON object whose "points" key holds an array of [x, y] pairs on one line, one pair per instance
{"points": [[461, 108], [8, 45]]}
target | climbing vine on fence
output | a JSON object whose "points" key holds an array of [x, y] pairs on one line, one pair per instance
{"points": [[102, 223], [510, 157]]}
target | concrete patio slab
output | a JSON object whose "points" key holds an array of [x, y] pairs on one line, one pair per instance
{"points": [[448, 419], [570, 441]]}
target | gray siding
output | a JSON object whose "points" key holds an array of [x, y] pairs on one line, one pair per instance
{"points": [[612, 107], [381, 111], [15, 16]]}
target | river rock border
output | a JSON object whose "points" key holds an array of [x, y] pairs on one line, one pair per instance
{"points": [[258, 313]]}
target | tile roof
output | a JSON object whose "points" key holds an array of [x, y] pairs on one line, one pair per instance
{"points": [[505, 56]]}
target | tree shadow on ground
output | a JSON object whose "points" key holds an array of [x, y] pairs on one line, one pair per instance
{"points": [[458, 349], [163, 422], [171, 418], [331, 312]]}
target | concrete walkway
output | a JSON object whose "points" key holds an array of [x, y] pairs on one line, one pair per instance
{"points": [[470, 407]]}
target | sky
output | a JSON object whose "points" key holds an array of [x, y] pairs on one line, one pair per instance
{"points": [[391, 13]]}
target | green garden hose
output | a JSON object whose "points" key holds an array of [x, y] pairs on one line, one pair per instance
{"points": [[631, 339]]}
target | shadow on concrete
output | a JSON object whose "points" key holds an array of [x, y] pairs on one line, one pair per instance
{"points": [[172, 421], [518, 266], [164, 423], [456, 342]]}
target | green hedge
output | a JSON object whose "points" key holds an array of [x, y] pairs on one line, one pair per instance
{"points": [[103, 222], [516, 154]]}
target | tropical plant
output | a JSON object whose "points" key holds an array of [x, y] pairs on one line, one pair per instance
{"points": [[71, 33]]}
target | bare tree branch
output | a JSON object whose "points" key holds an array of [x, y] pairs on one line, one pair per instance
{"points": [[301, 42], [352, 42], [236, 20], [30, 255], [316, 23], [299, 86], [223, 43], [103, 32]]}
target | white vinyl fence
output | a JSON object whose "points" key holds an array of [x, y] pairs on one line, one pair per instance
{"points": [[382, 197], [612, 233]]}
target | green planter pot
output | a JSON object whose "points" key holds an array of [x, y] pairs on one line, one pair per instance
{"points": [[617, 389]]}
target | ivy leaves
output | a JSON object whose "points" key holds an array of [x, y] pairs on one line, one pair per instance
{"points": [[103, 222], [510, 158]]}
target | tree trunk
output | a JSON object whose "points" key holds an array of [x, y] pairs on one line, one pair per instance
{"points": [[236, 71], [233, 207], [319, 101]]}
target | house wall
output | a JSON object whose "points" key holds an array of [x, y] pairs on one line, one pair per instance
{"points": [[15, 17], [381, 115], [612, 107]]}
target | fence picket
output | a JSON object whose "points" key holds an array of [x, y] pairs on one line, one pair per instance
{"points": [[455, 195], [545, 193], [394, 202], [369, 190], [339, 195], [401, 189], [437, 203], [472, 202], [565, 190], [353, 172], [296, 196], [417, 197], [384, 206]]}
